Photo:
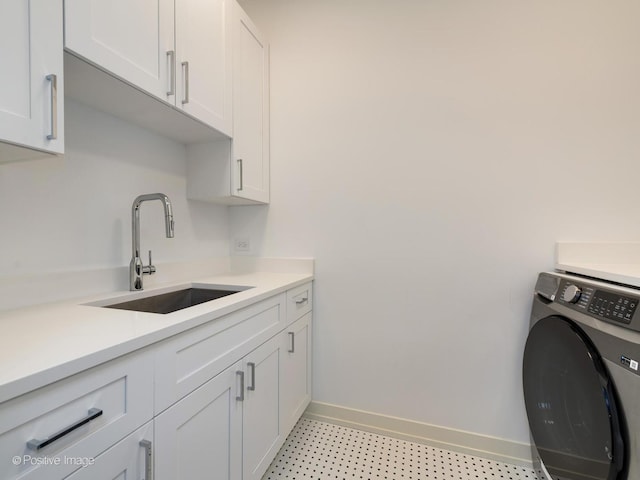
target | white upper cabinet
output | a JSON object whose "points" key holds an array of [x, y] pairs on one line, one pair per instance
{"points": [[203, 61], [132, 39], [236, 172], [179, 51], [250, 177], [31, 79]]}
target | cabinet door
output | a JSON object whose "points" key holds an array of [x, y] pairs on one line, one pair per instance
{"points": [[201, 435], [132, 457], [295, 370], [203, 50], [31, 77], [261, 434], [250, 172], [128, 38]]}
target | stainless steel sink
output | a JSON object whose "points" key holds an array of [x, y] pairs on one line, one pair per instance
{"points": [[173, 301]]}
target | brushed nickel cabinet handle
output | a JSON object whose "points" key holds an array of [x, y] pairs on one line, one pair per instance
{"points": [[148, 459], [171, 59], [36, 444], [241, 174], [185, 68], [53, 82], [252, 366], [292, 338], [240, 397]]}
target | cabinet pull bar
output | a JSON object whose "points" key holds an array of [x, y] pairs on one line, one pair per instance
{"points": [[240, 397], [292, 337], [252, 366], [241, 174], [148, 459], [185, 67], [36, 444], [53, 82], [302, 301], [171, 58]]}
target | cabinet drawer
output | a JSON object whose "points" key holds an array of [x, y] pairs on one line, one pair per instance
{"points": [[44, 434], [299, 302], [190, 359]]}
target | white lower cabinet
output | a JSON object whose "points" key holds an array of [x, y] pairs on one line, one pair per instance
{"points": [[51, 432], [188, 360], [230, 425], [201, 435], [216, 401]]}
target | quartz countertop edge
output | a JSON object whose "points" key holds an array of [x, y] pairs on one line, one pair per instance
{"points": [[46, 343], [623, 274], [613, 261]]}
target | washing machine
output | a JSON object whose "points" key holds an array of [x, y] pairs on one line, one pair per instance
{"points": [[581, 378]]}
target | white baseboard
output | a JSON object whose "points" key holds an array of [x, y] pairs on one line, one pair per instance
{"points": [[460, 441]]}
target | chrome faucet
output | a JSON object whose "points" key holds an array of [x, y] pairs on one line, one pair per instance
{"points": [[136, 267]]}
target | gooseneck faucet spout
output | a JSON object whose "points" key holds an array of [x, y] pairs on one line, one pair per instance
{"points": [[136, 268]]}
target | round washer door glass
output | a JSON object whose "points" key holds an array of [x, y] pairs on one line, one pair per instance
{"points": [[570, 403]]}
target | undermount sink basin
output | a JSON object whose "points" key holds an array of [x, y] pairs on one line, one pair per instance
{"points": [[173, 301]]}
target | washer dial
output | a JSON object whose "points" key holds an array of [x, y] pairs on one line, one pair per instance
{"points": [[571, 294]]}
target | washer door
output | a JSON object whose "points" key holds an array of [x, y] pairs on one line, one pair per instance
{"points": [[570, 403]]}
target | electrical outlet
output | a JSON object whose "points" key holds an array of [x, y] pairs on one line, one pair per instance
{"points": [[242, 245]]}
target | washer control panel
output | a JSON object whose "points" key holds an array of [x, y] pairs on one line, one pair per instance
{"points": [[608, 305], [613, 306]]}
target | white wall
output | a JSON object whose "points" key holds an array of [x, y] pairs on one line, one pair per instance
{"points": [[429, 154], [74, 212]]}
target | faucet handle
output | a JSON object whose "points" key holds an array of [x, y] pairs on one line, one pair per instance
{"points": [[152, 269], [149, 269]]}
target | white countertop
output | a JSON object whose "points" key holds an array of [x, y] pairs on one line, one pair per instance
{"points": [[45, 343], [614, 261]]}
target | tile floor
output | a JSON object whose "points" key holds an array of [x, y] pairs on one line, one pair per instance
{"points": [[322, 451]]}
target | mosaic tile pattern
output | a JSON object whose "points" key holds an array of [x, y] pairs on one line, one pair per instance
{"points": [[322, 451]]}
